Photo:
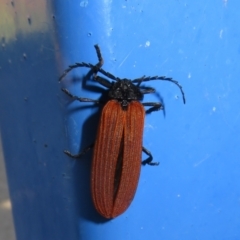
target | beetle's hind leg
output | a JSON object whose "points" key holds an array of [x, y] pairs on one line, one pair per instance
{"points": [[83, 152], [149, 159]]}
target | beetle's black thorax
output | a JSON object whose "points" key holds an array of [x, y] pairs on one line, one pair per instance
{"points": [[125, 91]]}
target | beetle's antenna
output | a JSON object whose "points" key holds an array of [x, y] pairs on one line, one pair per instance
{"points": [[99, 65], [71, 67], [163, 78], [99, 55]]}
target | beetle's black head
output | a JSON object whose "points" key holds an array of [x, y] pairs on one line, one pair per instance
{"points": [[125, 91]]}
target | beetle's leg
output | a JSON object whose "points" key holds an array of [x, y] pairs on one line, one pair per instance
{"points": [[149, 159], [83, 152], [80, 99], [155, 106]]}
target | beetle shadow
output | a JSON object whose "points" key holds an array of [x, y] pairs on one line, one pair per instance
{"points": [[82, 169]]}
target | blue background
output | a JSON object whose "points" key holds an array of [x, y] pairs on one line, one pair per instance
{"points": [[195, 192]]}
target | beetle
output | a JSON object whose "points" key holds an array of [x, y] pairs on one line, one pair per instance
{"points": [[117, 152]]}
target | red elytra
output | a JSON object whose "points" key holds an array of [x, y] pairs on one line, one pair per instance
{"points": [[117, 157]]}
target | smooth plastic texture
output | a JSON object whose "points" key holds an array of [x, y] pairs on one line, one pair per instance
{"points": [[194, 193]]}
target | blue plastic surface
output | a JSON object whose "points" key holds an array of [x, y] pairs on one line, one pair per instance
{"points": [[195, 192]]}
